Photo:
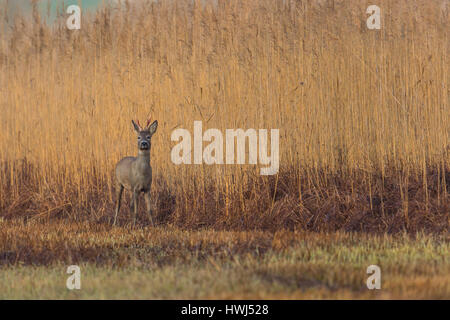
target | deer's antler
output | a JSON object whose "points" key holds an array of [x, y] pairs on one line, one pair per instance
{"points": [[139, 124], [148, 121]]}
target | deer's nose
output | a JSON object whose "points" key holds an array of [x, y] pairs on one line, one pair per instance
{"points": [[144, 144]]}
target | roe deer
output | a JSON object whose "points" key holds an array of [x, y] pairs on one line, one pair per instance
{"points": [[135, 173]]}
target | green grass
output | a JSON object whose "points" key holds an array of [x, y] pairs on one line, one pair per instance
{"points": [[166, 263]]}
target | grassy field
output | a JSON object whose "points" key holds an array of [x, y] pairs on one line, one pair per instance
{"points": [[168, 263], [364, 175]]}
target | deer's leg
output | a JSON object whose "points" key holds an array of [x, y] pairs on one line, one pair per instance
{"points": [[119, 191], [134, 206], [147, 202]]}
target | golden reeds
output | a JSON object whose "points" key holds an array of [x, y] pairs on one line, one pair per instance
{"points": [[362, 113]]}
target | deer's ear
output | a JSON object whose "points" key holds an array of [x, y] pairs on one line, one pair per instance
{"points": [[136, 127], [152, 128]]}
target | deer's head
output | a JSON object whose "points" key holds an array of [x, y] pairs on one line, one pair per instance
{"points": [[144, 135]]}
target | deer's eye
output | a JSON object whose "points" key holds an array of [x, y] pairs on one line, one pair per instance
{"points": [[139, 138], [148, 137]]}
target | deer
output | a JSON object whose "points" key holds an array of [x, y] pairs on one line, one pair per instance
{"points": [[135, 173]]}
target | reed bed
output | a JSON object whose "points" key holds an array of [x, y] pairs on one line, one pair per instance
{"points": [[364, 115]]}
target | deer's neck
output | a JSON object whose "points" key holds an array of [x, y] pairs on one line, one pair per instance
{"points": [[143, 159]]}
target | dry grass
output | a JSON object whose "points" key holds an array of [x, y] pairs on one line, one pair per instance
{"points": [[363, 115], [168, 263]]}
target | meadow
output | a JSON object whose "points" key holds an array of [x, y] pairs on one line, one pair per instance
{"points": [[169, 263], [364, 124]]}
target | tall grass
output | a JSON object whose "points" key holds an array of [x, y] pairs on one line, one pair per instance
{"points": [[363, 114]]}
